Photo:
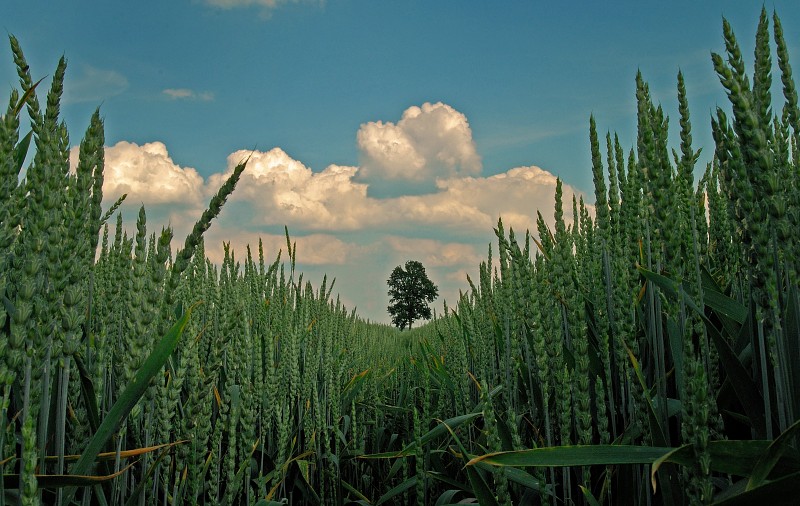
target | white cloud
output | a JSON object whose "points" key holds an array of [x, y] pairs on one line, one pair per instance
{"points": [[188, 94], [91, 84], [339, 228], [429, 142], [267, 5], [515, 195], [177, 93], [148, 174], [312, 249], [472, 205], [283, 190], [229, 4], [172, 195], [434, 253]]}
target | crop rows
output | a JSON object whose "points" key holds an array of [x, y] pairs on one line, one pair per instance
{"points": [[645, 350]]}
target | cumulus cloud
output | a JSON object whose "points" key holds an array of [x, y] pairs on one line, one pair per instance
{"points": [[267, 5], [515, 195], [283, 190], [172, 195], [341, 229], [188, 94], [434, 253], [230, 4], [429, 142], [91, 84], [472, 205], [148, 174], [280, 189], [312, 249]]}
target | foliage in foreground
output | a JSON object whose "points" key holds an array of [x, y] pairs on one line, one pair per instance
{"points": [[668, 322], [648, 355]]}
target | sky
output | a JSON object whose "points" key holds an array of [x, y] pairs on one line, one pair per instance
{"points": [[377, 131]]}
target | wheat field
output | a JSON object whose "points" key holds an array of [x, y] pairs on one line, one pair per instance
{"points": [[646, 353]]}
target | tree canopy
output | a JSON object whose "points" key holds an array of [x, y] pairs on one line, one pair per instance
{"points": [[410, 292]]}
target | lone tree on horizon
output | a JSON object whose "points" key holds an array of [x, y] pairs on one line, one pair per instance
{"points": [[410, 292]]}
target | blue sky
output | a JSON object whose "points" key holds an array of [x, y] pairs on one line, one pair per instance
{"points": [[332, 96]]}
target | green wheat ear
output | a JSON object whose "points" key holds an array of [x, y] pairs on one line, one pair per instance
{"points": [[648, 329], [128, 399]]}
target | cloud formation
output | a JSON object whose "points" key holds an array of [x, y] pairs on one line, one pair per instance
{"points": [[188, 94], [148, 174], [434, 253], [429, 142], [339, 227], [267, 5], [283, 190], [324, 250]]}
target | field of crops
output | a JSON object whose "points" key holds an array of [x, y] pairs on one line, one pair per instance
{"points": [[649, 353]]}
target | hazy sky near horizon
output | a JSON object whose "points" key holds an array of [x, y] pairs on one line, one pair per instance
{"points": [[378, 131]]}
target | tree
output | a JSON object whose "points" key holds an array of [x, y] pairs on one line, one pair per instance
{"points": [[410, 292]]}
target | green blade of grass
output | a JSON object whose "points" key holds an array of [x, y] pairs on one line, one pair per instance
{"points": [[743, 385], [479, 486], [21, 151], [791, 332], [656, 430], [770, 457], [432, 434], [578, 455], [353, 490], [88, 394], [783, 491], [65, 480], [719, 302], [739, 458], [125, 403], [448, 480], [522, 478], [134, 497], [28, 94], [110, 456], [590, 498], [399, 489], [447, 497]]}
